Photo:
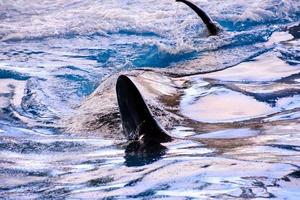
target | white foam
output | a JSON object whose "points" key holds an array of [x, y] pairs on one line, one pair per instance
{"points": [[34, 19]]}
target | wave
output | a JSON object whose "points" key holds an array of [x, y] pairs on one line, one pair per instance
{"points": [[30, 20]]}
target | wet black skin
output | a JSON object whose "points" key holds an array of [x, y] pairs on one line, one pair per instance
{"points": [[213, 29], [137, 120]]}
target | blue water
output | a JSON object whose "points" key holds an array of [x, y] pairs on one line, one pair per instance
{"points": [[240, 124]]}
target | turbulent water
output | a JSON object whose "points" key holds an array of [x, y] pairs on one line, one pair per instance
{"points": [[245, 135]]}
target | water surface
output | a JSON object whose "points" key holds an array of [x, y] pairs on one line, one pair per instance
{"points": [[242, 139]]}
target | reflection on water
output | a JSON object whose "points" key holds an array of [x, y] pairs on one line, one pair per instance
{"points": [[223, 105], [263, 68], [253, 89], [240, 133], [137, 154]]}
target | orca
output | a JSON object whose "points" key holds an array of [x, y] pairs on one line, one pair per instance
{"points": [[137, 120], [117, 109]]}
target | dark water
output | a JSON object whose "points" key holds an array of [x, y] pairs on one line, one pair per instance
{"points": [[243, 138]]}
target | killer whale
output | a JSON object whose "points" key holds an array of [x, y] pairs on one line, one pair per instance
{"points": [[137, 120], [117, 106]]}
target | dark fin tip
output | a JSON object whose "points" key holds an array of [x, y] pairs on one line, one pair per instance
{"points": [[137, 120], [210, 25]]}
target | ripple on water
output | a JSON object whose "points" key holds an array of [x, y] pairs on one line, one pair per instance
{"points": [[247, 91], [223, 105], [241, 140]]}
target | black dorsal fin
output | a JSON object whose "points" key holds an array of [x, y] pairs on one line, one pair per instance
{"points": [[211, 26], [137, 120]]}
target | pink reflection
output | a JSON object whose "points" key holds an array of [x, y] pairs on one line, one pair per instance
{"points": [[224, 107], [264, 68]]}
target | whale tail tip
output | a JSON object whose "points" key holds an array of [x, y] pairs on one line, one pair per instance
{"points": [[137, 120], [212, 27]]}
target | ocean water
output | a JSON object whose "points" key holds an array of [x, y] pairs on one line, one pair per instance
{"points": [[243, 138]]}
